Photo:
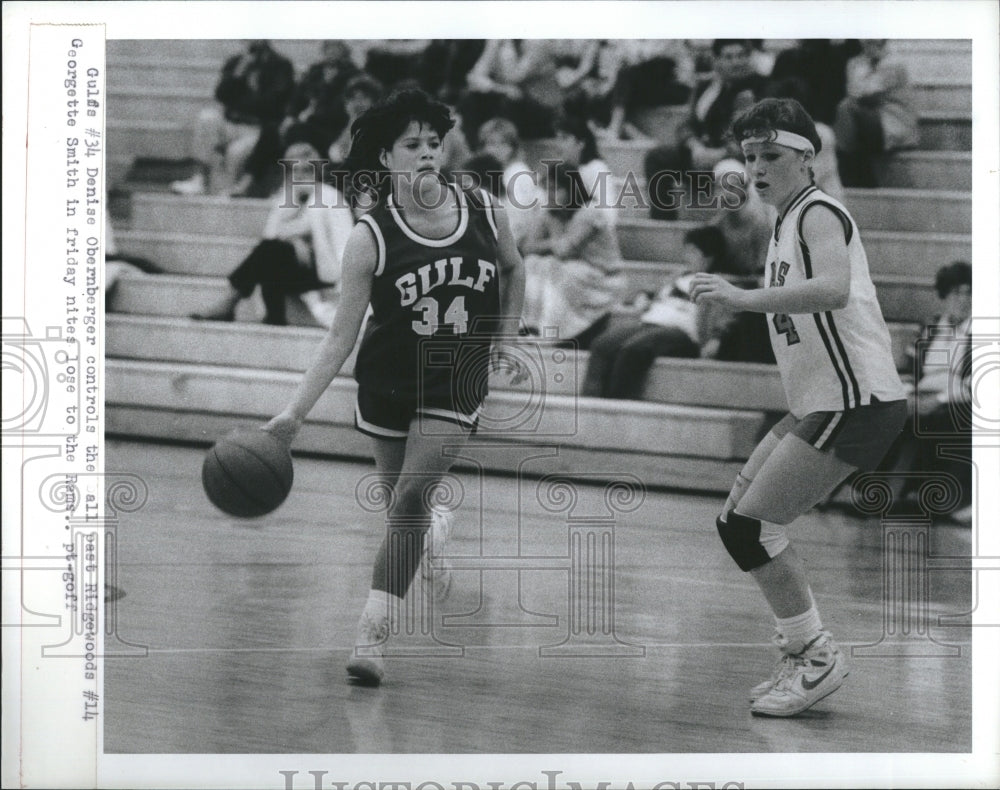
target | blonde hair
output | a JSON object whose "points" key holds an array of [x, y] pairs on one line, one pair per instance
{"points": [[502, 127]]}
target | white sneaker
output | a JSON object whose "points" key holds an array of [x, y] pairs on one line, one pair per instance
{"points": [[434, 569], [367, 664], [784, 665], [813, 674], [191, 186]]}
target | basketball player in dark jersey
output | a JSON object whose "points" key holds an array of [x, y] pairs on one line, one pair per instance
{"points": [[445, 283]]}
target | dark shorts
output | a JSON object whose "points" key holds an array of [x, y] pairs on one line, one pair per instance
{"points": [[388, 416], [860, 437]]}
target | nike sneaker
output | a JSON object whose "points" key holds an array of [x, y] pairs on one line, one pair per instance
{"points": [[784, 665], [812, 674]]}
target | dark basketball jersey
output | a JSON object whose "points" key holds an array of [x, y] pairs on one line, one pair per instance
{"points": [[435, 304]]}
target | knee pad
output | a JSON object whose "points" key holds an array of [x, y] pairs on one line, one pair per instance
{"points": [[741, 537]]}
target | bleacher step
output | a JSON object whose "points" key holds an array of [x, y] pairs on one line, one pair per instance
{"points": [[510, 417], [904, 299], [873, 209], [301, 52], [164, 138], [679, 381], [928, 170], [889, 252]]}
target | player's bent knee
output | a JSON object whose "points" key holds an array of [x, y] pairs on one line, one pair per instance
{"points": [[741, 537]]}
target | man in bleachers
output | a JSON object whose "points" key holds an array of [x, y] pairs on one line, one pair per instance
{"points": [[318, 100], [702, 139], [938, 436], [818, 68], [877, 114], [253, 92]]}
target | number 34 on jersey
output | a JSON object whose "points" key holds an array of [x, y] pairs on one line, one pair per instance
{"points": [[415, 288]]}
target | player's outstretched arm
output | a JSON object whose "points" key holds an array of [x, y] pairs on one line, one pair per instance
{"points": [[360, 258], [511, 274], [511, 289], [827, 289]]}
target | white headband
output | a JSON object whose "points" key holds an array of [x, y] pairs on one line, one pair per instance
{"points": [[782, 137]]}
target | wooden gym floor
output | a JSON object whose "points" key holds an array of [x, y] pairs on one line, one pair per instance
{"points": [[246, 627]]}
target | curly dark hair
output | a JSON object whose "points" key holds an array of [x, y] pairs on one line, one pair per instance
{"points": [[951, 276], [378, 129], [768, 116]]}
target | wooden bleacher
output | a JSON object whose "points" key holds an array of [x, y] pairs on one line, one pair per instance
{"points": [[172, 378]]}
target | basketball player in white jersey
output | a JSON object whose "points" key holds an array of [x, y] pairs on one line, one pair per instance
{"points": [[847, 402]]}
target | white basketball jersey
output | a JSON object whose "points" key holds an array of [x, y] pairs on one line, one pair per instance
{"points": [[838, 359]]}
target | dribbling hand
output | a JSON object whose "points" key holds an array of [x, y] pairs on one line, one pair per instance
{"points": [[284, 428]]}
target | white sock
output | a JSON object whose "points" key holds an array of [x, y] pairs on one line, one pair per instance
{"points": [[801, 629], [381, 604]]}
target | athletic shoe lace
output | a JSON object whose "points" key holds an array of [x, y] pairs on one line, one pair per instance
{"points": [[374, 629], [790, 666]]}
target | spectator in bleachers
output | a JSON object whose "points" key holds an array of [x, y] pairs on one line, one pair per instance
{"points": [[252, 92], [635, 75], [318, 100], [578, 151], [746, 225], [938, 435], [515, 79], [818, 68], [703, 140], [702, 68], [455, 148], [446, 66], [747, 228], [300, 253], [573, 269], [118, 265], [877, 114], [670, 326], [761, 58], [360, 94], [498, 137], [482, 171], [394, 60]]}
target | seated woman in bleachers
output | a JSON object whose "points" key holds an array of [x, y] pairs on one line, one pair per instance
{"points": [[252, 93], [636, 75], [301, 249], [515, 79], [747, 227], [318, 99], [748, 224], [938, 434], [498, 137], [818, 67], [361, 92], [578, 151], [621, 355], [703, 140], [572, 263], [877, 114]]}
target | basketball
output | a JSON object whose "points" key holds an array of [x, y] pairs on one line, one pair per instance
{"points": [[247, 473]]}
